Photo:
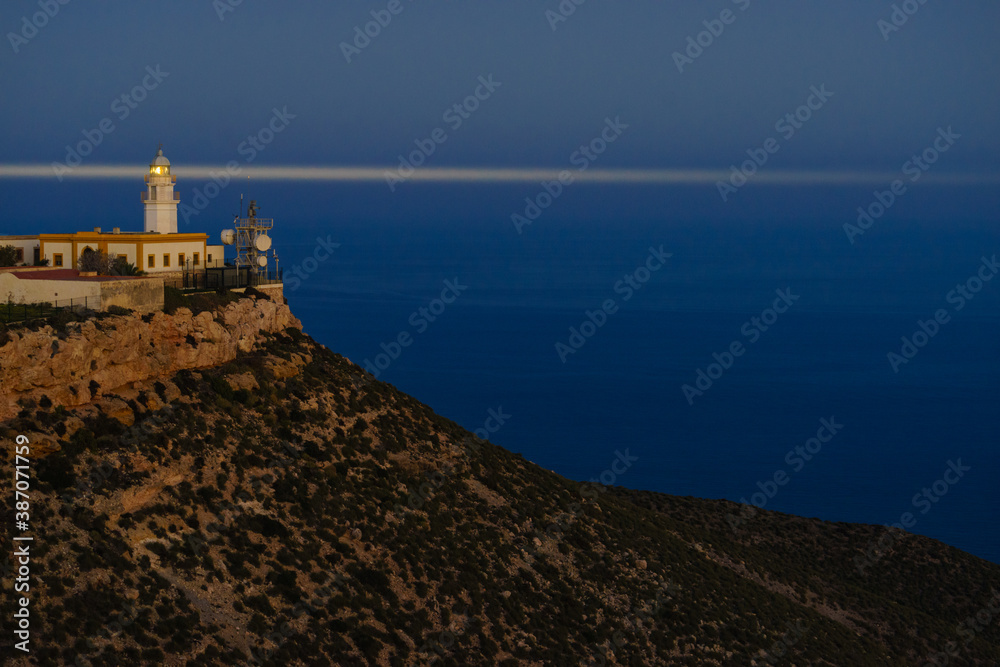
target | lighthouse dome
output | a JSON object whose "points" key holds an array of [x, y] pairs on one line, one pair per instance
{"points": [[159, 160]]}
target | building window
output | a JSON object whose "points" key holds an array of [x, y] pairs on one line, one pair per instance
{"points": [[57, 259], [19, 254], [208, 259], [151, 262], [166, 259], [196, 258], [180, 260], [123, 258]]}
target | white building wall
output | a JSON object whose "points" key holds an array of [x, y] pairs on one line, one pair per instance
{"points": [[160, 217], [130, 250], [173, 249], [49, 291], [217, 254], [141, 294], [66, 249], [25, 243], [160, 205]]}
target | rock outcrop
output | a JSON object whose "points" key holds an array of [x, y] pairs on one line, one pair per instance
{"points": [[313, 521], [100, 356]]}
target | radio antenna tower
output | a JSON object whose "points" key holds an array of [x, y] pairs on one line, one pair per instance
{"points": [[252, 241]]}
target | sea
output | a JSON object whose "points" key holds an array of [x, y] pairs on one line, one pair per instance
{"points": [[814, 400], [773, 358]]}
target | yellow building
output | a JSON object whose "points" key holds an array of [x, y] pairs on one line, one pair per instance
{"points": [[153, 253], [157, 249]]}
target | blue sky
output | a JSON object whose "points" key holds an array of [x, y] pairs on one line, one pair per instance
{"points": [[606, 59], [228, 69]]}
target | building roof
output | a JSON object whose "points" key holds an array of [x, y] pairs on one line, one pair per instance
{"points": [[65, 274], [159, 160], [125, 237]]}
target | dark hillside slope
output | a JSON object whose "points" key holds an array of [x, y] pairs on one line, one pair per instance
{"points": [[286, 510]]}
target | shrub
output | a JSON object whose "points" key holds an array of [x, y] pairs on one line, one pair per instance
{"points": [[97, 261], [153, 656], [8, 255], [250, 291], [257, 624], [122, 267], [173, 299]]}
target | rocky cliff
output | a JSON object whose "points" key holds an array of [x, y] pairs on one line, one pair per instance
{"points": [[74, 364], [285, 509]]}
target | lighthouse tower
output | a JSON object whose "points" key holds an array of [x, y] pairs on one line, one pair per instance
{"points": [[160, 200]]}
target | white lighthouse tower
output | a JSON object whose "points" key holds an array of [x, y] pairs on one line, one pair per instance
{"points": [[160, 200]]}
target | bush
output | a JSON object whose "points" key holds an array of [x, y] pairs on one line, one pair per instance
{"points": [[121, 267], [153, 655], [173, 299], [210, 301], [97, 261], [257, 624], [8, 255], [250, 291], [57, 471]]}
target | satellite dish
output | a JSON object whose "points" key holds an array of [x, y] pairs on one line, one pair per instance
{"points": [[228, 236], [262, 261], [262, 242]]}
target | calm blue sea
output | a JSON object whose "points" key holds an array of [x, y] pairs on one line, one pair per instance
{"points": [[825, 358]]}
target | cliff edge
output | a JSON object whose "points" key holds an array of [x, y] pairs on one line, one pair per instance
{"points": [[284, 508], [75, 363]]}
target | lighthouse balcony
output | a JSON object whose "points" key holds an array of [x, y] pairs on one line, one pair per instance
{"points": [[173, 179], [145, 197]]}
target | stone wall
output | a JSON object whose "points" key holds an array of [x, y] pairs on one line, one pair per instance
{"points": [[275, 290], [144, 295], [118, 351], [14, 290]]}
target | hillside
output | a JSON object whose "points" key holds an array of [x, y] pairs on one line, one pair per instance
{"points": [[282, 508]]}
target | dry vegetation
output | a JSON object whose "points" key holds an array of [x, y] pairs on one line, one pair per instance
{"points": [[270, 509]]}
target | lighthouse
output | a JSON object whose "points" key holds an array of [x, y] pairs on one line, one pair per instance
{"points": [[160, 200]]}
